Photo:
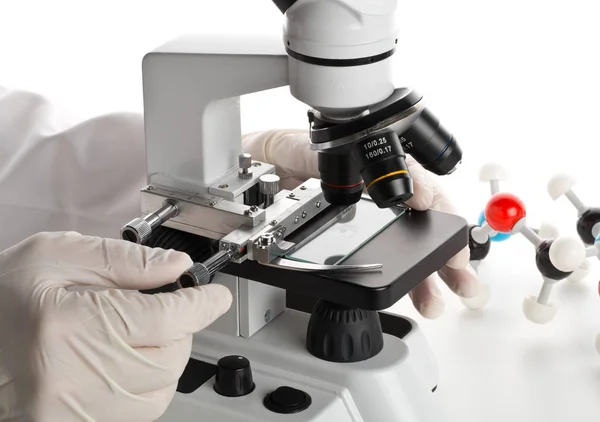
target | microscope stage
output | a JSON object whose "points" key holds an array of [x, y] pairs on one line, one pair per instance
{"points": [[412, 247]]}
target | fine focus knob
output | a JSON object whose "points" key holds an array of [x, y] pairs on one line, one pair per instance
{"points": [[245, 164], [234, 377]]}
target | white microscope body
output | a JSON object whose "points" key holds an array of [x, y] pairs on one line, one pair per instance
{"points": [[336, 57]]}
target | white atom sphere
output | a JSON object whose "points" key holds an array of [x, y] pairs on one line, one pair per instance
{"points": [[492, 171], [567, 254], [560, 184], [537, 312], [580, 273], [479, 301], [548, 231]]}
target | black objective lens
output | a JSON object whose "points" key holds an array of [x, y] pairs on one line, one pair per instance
{"points": [[340, 178], [382, 164], [431, 145]]}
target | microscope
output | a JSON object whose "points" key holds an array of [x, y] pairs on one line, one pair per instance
{"points": [[312, 270]]}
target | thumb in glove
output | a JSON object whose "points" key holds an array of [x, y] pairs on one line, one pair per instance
{"points": [[74, 351]]}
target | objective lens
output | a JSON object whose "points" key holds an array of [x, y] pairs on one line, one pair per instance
{"points": [[431, 145], [340, 178], [383, 168]]}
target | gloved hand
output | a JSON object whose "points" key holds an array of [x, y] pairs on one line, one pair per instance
{"points": [[290, 152], [107, 354]]}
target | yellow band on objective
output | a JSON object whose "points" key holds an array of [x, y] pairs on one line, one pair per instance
{"points": [[394, 173]]}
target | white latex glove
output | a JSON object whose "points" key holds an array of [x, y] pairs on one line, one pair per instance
{"points": [[109, 354], [289, 151]]}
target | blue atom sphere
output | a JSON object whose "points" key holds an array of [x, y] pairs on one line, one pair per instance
{"points": [[500, 237]]}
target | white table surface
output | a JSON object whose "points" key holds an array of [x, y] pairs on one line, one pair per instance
{"points": [[497, 366]]}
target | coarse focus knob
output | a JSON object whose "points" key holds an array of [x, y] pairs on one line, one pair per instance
{"points": [[245, 165], [234, 377], [340, 334]]}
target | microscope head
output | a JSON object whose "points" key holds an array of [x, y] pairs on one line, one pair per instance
{"points": [[341, 64], [326, 238], [340, 54]]}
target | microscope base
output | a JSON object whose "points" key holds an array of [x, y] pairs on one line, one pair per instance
{"points": [[394, 386]]}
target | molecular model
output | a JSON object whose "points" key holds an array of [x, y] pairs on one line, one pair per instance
{"points": [[557, 257]]}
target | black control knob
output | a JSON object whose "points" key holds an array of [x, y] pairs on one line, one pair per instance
{"points": [[287, 400], [340, 334], [234, 377]]}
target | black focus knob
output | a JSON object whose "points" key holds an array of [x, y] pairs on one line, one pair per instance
{"points": [[234, 377], [337, 333]]}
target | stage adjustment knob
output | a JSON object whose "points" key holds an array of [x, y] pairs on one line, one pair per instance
{"points": [[340, 334], [234, 377], [245, 166], [269, 187]]}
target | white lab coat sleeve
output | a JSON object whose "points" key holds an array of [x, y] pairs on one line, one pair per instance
{"points": [[62, 172]]}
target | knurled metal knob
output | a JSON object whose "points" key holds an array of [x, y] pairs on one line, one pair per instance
{"points": [[137, 230], [245, 165], [197, 275], [269, 184]]}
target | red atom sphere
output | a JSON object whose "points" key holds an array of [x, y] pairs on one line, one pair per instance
{"points": [[503, 211]]}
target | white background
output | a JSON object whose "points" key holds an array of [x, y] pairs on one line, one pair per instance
{"points": [[516, 81]]}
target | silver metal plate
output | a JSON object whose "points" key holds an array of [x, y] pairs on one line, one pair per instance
{"points": [[208, 216], [290, 211], [231, 186]]}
